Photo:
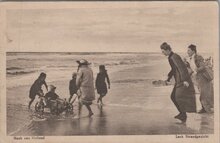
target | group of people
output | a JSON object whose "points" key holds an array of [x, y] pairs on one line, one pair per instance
{"points": [[80, 85], [190, 75]]}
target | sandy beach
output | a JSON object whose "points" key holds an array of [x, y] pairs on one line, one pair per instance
{"points": [[133, 106]]}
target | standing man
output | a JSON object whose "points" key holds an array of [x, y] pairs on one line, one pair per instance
{"points": [[183, 94], [84, 82], [199, 79]]}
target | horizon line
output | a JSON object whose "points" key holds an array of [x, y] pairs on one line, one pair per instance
{"points": [[84, 52]]}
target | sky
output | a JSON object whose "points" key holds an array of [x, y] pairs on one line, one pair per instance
{"points": [[113, 27]]}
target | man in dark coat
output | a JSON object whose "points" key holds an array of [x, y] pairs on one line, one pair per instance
{"points": [[183, 94]]}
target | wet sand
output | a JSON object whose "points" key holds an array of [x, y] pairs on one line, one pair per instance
{"points": [[133, 106]]}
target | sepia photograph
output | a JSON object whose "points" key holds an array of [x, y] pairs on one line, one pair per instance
{"points": [[110, 69]]}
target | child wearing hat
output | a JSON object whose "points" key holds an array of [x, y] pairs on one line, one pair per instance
{"points": [[53, 99], [100, 83], [51, 95]]}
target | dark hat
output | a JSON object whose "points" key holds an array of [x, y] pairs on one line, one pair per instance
{"points": [[83, 62], [102, 67], [165, 46], [74, 74], [193, 47], [42, 75]]}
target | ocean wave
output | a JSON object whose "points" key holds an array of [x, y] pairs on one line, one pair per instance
{"points": [[13, 68], [19, 72], [115, 63], [26, 59], [83, 53], [134, 81], [59, 66]]}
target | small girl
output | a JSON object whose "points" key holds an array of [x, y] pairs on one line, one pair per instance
{"points": [[101, 84]]}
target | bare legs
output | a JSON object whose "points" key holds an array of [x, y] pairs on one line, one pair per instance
{"points": [[100, 98], [71, 96], [182, 115], [29, 105], [88, 108]]}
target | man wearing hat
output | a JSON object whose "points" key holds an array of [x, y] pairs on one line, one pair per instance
{"points": [[84, 82]]}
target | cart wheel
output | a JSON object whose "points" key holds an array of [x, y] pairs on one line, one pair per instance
{"points": [[69, 109], [39, 107]]}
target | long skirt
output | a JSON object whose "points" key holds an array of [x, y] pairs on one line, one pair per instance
{"points": [[184, 98], [87, 95], [206, 93]]}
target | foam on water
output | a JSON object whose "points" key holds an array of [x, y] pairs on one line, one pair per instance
{"points": [[24, 68]]}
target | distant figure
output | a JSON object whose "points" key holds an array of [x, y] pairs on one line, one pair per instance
{"points": [[183, 94], [101, 84], [72, 86], [84, 82], [36, 88], [200, 80]]}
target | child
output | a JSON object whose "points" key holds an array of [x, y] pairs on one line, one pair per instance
{"points": [[53, 99], [36, 88], [72, 86], [101, 84], [51, 95]]}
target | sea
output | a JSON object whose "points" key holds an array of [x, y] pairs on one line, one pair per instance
{"points": [[28, 65]]}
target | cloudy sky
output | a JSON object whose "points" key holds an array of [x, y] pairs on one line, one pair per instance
{"points": [[113, 27]]}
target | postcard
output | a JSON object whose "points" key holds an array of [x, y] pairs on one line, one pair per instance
{"points": [[109, 71]]}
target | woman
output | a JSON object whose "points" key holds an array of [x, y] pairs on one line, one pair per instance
{"points": [[84, 82], [183, 94], [204, 85], [101, 84]]}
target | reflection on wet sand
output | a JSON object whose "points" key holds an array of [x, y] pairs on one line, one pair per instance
{"points": [[102, 120], [108, 120], [206, 123]]}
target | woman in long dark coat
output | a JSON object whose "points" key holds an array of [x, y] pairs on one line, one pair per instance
{"points": [[183, 94]]}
